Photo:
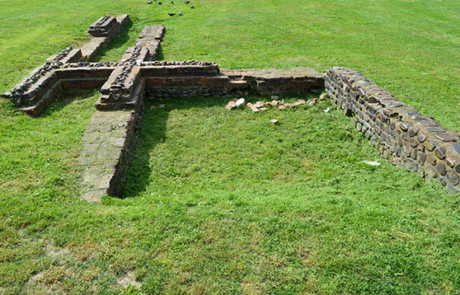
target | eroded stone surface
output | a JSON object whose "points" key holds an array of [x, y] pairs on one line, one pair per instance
{"points": [[109, 140]]}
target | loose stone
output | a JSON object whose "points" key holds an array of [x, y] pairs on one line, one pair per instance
{"points": [[240, 103], [253, 108], [259, 104], [300, 102], [230, 105]]}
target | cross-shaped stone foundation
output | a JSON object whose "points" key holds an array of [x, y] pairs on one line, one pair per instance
{"points": [[110, 137]]}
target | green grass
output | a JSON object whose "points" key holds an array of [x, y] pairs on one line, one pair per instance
{"points": [[221, 202]]}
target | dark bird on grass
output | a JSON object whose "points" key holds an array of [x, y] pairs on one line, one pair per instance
{"points": [[171, 14], [187, 2], [172, 2], [193, 6], [150, 2], [159, 3], [180, 14]]}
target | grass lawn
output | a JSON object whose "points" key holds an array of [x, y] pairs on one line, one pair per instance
{"points": [[221, 202]]}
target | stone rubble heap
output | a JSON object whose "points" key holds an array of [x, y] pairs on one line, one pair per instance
{"points": [[235, 104], [265, 106], [404, 136]]}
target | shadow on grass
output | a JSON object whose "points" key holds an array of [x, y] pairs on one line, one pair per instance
{"points": [[160, 55], [153, 132], [67, 97]]}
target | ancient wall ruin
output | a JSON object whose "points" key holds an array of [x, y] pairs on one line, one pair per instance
{"points": [[406, 138]]}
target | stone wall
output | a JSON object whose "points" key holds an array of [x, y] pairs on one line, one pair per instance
{"points": [[38, 90], [103, 31], [191, 79], [109, 142], [273, 82], [67, 70], [404, 136]]}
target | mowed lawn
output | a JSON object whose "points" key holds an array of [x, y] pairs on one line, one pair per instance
{"points": [[221, 202]]}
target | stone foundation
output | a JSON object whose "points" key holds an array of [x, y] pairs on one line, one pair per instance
{"points": [[103, 31], [274, 82], [404, 137], [109, 142], [206, 79], [44, 84]]}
